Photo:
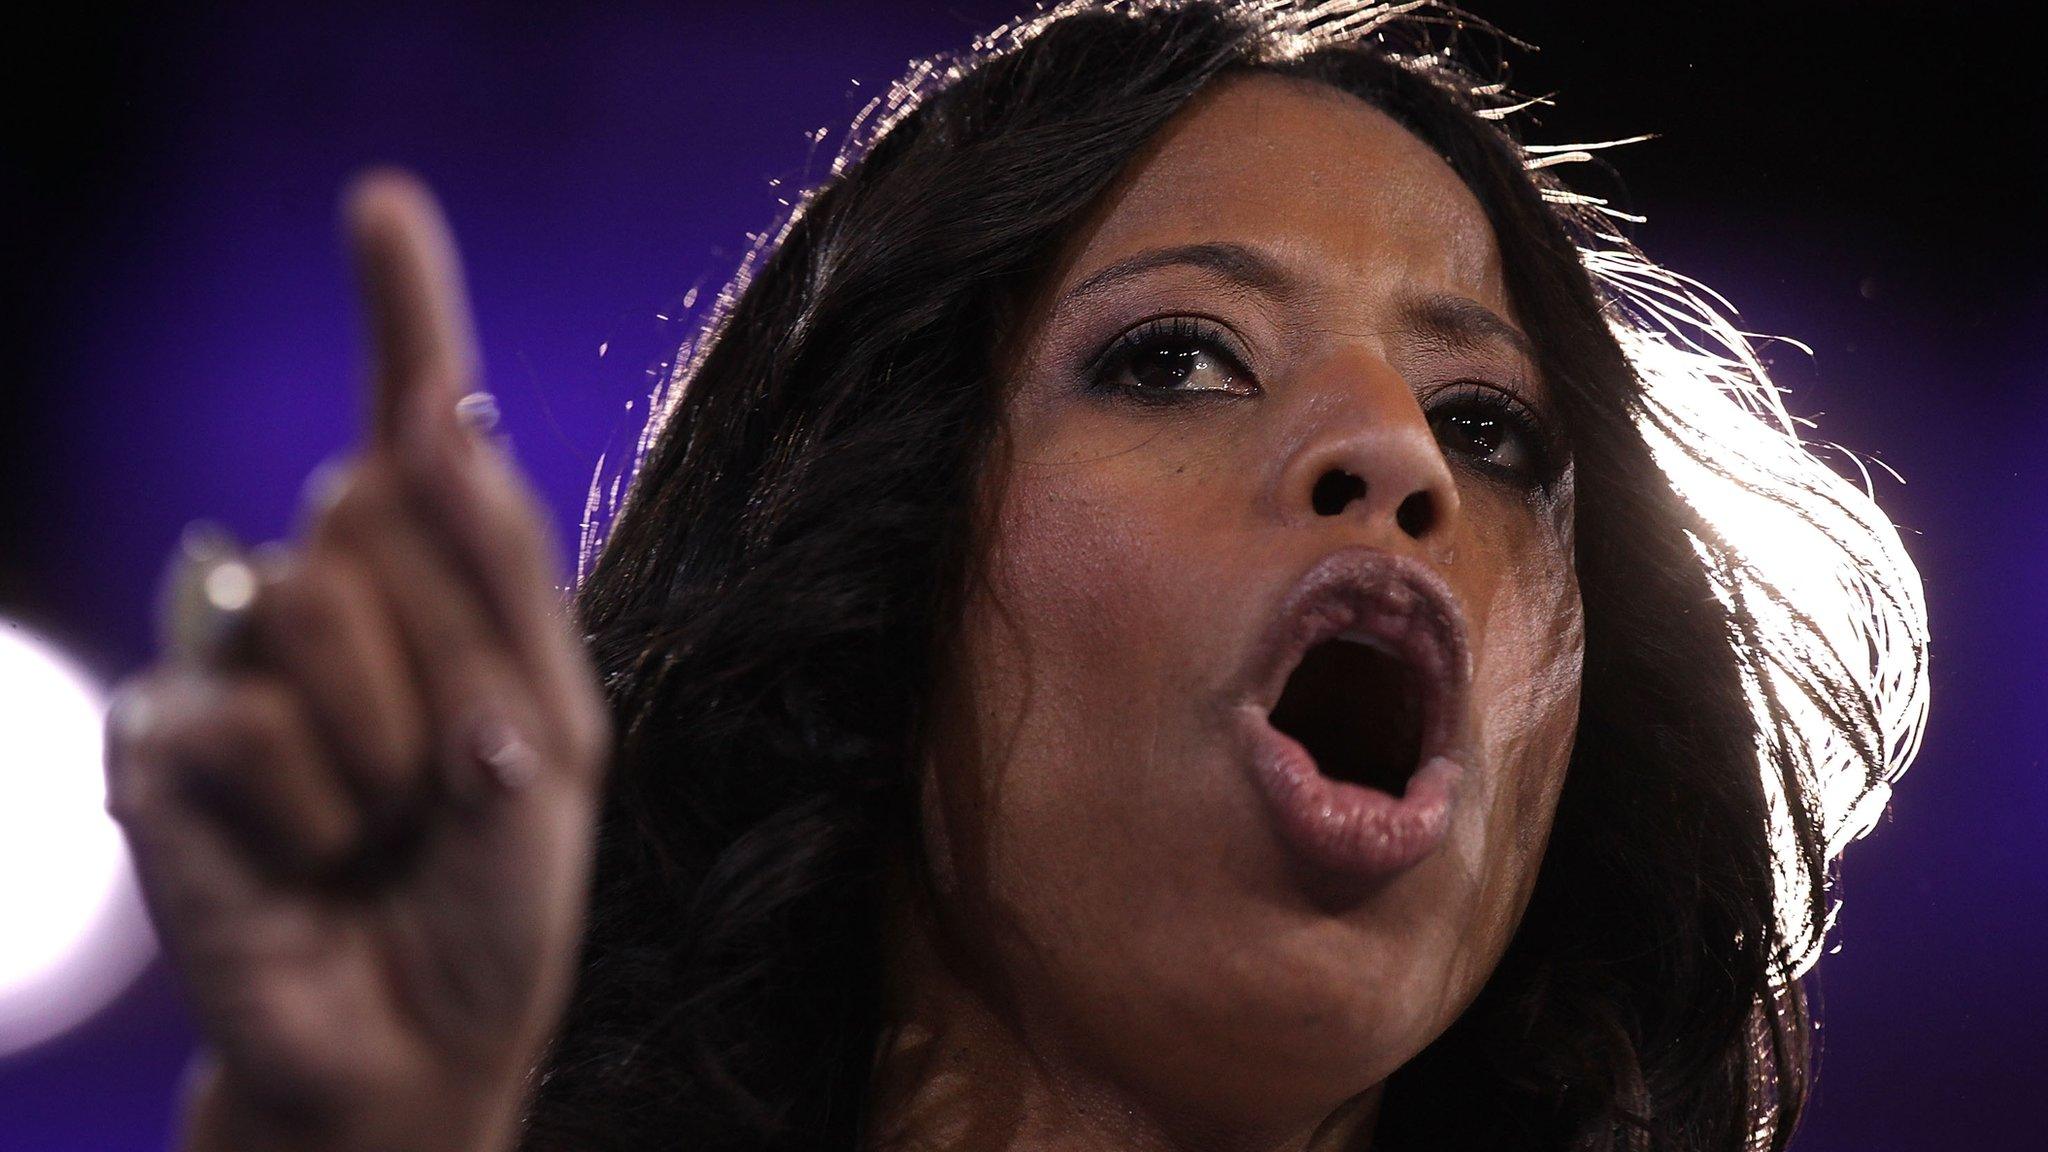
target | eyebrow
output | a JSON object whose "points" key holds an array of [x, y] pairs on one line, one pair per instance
{"points": [[1233, 262], [1466, 325]]}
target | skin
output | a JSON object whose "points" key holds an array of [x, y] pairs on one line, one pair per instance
{"points": [[405, 642], [1119, 951], [1122, 951]]}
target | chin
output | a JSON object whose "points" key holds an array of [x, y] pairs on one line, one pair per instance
{"points": [[1271, 1002]]}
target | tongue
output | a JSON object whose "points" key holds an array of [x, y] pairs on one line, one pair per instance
{"points": [[1358, 712]]}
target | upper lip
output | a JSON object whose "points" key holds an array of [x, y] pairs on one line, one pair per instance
{"points": [[1380, 598]]}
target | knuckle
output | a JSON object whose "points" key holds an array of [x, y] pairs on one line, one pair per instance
{"points": [[131, 714], [177, 734], [132, 711], [153, 724]]}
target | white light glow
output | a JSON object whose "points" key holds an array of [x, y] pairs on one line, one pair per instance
{"points": [[1805, 552], [72, 929]]}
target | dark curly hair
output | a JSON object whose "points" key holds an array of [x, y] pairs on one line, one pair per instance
{"points": [[775, 605]]}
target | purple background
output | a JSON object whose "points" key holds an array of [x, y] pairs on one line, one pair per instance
{"points": [[185, 345]]}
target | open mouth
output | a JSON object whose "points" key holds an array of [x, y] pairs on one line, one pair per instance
{"points": [[1354, 713], [1359, 710]]}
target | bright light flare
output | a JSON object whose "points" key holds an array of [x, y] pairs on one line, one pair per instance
{"points": [[1808, 554], [72, 929]]}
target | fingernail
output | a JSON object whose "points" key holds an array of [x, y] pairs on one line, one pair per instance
{"points": [[129, 715], [489, 757], [508, 759], [325, 485]]}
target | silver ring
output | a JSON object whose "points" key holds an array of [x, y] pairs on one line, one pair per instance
{"points": [[478, 412], [208, 591]]}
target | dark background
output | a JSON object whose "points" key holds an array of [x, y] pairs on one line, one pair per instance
{"points": [[1863, 176]]}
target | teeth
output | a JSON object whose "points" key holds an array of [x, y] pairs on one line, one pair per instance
{"points": [[1375, 640]]}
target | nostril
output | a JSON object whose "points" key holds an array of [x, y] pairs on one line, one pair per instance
{"points": [[1335, 492], [1416, 515]]}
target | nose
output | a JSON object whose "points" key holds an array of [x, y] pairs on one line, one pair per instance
{"points": [[1371, 461]]}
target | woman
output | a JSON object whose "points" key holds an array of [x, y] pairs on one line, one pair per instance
{"points": [[1155, 617]]}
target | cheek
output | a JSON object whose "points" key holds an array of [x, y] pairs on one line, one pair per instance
{"points": [[1073, 620], [1069, 558], [1099, 578], [1069, 611], [1527, 682]]}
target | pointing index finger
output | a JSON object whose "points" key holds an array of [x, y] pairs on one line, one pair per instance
{"points": [[421, 339]]}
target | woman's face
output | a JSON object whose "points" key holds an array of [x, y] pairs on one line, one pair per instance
{"points": [[1275, 394]]}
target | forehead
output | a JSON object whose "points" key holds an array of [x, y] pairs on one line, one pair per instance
{"points": [[1315, 177]]}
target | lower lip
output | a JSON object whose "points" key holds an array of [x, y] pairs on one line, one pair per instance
{"points": [[1348, 828]]}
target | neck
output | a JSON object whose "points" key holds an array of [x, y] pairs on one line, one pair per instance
{"points": [[954, 1071]]}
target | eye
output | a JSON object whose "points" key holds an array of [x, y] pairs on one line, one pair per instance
{"points": [[1495, 433], [1173, 359]]}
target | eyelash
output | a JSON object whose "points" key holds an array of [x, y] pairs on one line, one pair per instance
{"points": [[1546, 449], [1107, 375]]}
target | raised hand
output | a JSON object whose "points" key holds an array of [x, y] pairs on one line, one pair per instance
{"points": [[362, 817]]}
